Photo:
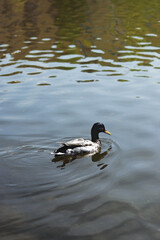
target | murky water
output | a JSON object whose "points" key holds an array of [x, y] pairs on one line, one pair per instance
{"points": [[63, 66]]}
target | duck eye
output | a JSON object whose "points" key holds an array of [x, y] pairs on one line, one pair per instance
{"points": [[102, 129]]}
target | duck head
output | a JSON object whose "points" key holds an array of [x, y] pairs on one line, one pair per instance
{"points": [[96, 129]]}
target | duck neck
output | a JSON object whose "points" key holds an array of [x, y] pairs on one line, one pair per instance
{"points": [[94, 136]]}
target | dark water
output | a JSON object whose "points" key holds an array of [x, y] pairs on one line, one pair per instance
{"points": [[63, 66]]}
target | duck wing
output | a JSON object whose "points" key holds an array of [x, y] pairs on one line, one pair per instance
{"points": [[79, 142], [68, 147]]}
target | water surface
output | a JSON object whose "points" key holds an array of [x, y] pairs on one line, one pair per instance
{"points": [[63, 66]]}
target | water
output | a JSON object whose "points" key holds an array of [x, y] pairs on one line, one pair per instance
{"points": [[64, 66]]}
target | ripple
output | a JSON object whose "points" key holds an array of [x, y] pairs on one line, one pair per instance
{"points": [[133, 58], [33, 38], [4, 45], [43, 84], [90, 70], [46, 39], [23, 155], [151, 54], [70, 57], [54, 46], [88, 60], [10, 74], [99, 51], [45, 55], [115, 74], [94, 221], [72, 46], [40, 52], [151, 35], [144, 43], [33, 66], [143, 48], [52, 76], [87, 81], [34, 73], [64, 68], [13, 82], [122, 80], [137, 37]]}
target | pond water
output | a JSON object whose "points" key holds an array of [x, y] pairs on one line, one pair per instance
{"points": [[65, 65]]}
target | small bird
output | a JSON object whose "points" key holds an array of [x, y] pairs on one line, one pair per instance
{"points": [[81, 146]]}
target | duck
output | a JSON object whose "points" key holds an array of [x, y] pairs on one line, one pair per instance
{"points": [[81, 146]]}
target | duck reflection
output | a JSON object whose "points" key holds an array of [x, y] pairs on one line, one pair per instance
{"points": [[95, 158]]}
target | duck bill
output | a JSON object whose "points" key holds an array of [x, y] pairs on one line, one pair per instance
{"points": [[107, 132]]}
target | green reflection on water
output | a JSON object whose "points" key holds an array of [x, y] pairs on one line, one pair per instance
{"points": [[70, 17], [108, 26]]}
